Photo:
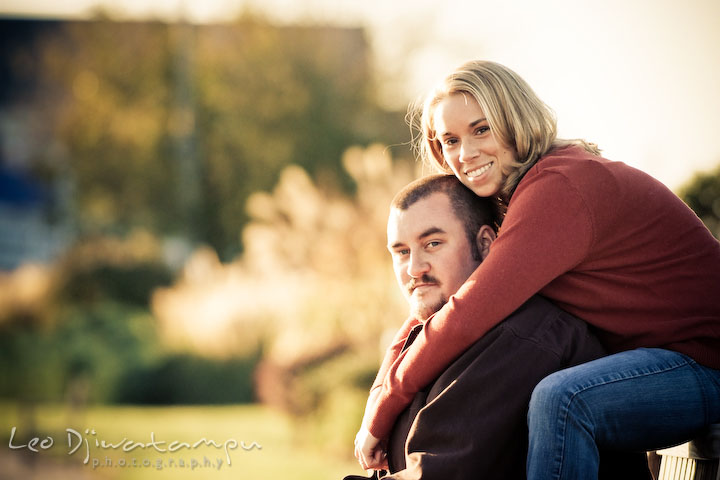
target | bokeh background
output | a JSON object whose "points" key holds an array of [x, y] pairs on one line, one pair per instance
{"points": [[193, 199]]}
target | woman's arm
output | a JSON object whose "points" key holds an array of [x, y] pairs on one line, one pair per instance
{"points": [[366, 446], [547, 231], [393, 351]]}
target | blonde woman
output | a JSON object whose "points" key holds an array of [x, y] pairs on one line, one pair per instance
{"points": [[602, 240]]}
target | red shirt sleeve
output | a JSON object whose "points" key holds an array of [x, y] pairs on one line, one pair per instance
{"points": [[547, 231], [393, 351], [391, 355]]}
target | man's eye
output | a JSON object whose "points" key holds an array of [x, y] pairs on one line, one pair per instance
{"points": [[404, 251], [433, 244]]}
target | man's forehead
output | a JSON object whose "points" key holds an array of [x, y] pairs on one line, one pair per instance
{"points": [[433, 211]]}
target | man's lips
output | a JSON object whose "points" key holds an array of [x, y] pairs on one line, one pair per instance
{"points": [[415, 286], [423, 281]]}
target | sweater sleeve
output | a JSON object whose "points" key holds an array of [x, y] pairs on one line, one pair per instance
{"points": [[393, 351], [391, 355], [547, 231]]}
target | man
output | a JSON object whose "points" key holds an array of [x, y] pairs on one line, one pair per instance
{"points": [[471, 422]]}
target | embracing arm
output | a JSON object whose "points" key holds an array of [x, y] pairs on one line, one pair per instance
{"points": [[394, 350], [547, 232], [368, 449]]}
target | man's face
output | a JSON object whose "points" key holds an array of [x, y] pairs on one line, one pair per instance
{"points": [[431, 253]]}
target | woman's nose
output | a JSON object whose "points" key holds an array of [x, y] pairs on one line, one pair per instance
{"points": [[467, 152]]}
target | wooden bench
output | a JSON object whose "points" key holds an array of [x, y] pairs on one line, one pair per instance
{"points": [[698, 459]]}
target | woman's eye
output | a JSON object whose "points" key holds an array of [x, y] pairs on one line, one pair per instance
{"points": [[481, 130], [450, 142]]}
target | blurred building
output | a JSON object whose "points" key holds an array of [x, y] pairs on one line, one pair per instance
{"points": [[26, 234], [30, 229]]}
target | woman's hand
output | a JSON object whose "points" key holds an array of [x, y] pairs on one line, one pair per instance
{"points": [[369, 451]]}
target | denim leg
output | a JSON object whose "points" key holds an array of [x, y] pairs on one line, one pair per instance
{"points": [[637, 400]]}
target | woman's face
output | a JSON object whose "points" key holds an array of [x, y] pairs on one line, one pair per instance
{"points": [[468, 146]]}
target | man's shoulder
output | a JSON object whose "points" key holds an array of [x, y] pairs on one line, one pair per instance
{"points": [[537, 304], [534, 317], [553, 330]]}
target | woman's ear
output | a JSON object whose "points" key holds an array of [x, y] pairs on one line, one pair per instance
{"points": [[485, 237]]}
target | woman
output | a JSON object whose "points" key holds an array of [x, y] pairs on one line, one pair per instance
{"points": [[603, 241]]}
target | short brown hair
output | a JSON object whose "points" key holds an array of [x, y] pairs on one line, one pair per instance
{"points": [[472, 211]]}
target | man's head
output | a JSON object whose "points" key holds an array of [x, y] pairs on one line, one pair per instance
{"points": [[438, 233]]}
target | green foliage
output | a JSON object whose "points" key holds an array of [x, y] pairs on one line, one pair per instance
{"points": [[184, 379], [702, 194], [112, 82], [108, 352], [132, 284], [28, 366], [95, 340], [84, 354], [98, 343]]}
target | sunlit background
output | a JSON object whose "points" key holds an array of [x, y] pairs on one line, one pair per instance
{"points": [[193, 198]]}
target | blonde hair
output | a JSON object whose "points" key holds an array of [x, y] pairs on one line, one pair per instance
{"points": [[516, 115]]}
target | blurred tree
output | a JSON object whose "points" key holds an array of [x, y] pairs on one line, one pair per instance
{"points": [[111, 91], [702, 194], [172, 127]]}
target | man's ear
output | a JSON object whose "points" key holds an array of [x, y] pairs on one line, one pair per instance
{"points": [[485, 237]]}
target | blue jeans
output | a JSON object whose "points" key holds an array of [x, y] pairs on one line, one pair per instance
{"points": [[638, 400]]}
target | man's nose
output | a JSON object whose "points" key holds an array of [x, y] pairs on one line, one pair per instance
{"points": [[417, 266]]}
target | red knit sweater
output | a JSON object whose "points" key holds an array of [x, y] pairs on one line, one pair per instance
{"points": [[602, 240]]}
